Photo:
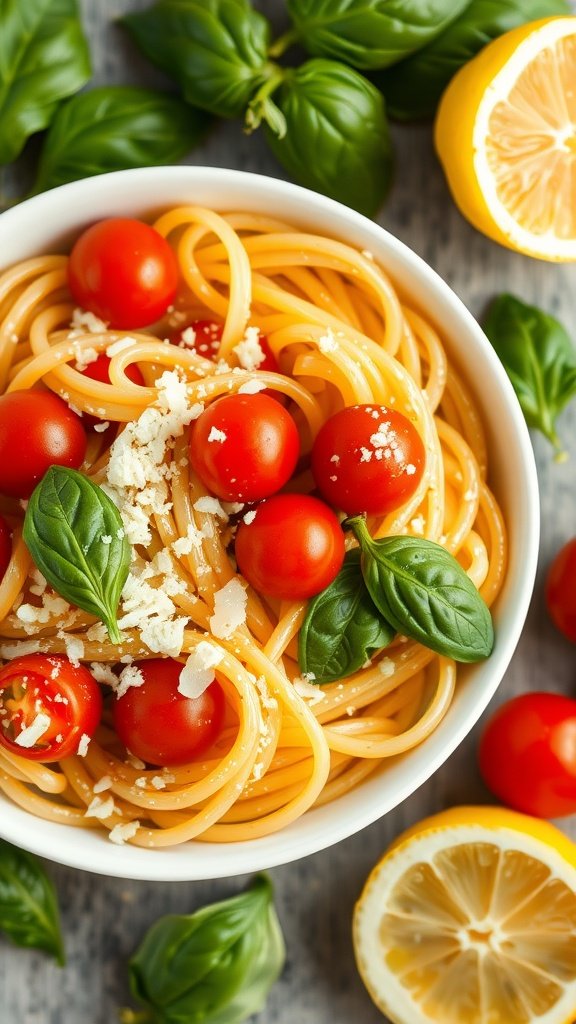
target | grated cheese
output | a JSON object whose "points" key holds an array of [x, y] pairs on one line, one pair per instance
{"points": [[229, 609], [251, 387], [121, 833], [100, 808], [83, 745], [198, 672], [129, 676], [30, 736], [249, 351]]}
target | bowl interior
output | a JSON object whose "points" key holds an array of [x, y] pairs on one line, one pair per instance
{"points": [[48, 223]]}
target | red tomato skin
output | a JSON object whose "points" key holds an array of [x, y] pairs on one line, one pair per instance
{"points": [[347, 471], [561, 590], [78, 715], [100, 370], [123, 271], [5, 546], [162, 726], [527, 754], [37, 430], [292, 549], [259, 452]]}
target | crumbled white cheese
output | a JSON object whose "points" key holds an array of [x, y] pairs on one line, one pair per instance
{"points": [[21, 647], [99, 808], [84, 356], [101, 427], [74, 649], [251, 387], [82, 319], [121, 833], [158, 782], [211, 505], [103, 674], [198, 672], [30, 736], [249, 517], [129, 676], [327, 343], [83, 745], [304, 688], [151, 611], [216, 435], [229, 609], [249, 351], [386, 667], [232, 508], [102, 784], [119, 346], [193, 539]]}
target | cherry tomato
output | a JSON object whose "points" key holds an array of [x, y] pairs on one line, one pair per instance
{"points": [[123, 271], [159, 724], [292, 548], [561, 590], [37, 430], [48, 685], [205, 338], [528, 754], [244, 447], [367, 458], [5, 546], [99, 370]]}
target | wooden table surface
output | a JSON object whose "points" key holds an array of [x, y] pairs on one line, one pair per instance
{"points": [[104, 919]]}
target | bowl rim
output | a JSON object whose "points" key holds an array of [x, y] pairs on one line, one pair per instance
{"points": [[196, 860]]}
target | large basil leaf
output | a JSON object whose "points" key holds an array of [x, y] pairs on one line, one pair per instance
{"points": [[424, 593], [336, 139], [217, 50], [215, 966], [370, 34], [343, 626], [413, 88], [116, 127], [43, 58], [75, 536], [28, 904], [538, 357]]}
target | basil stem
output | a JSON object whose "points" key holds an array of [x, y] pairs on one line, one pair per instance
{"points": [[538, 357], [342, 628], [75, 536], [28, 903], [215, 966], [425, 594]]}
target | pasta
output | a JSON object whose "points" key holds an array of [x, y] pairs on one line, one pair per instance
{"points": [[341, 336]]}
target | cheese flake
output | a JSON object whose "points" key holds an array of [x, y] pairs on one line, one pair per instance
{"points": [[30, 736], [198, 672], [249, 351], [229, 609]]}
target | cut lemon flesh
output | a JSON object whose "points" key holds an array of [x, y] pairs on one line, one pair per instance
{"points": [[470, 918], [506, 136]]}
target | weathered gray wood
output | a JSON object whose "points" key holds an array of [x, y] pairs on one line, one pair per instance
{"points": [[104, 919]]}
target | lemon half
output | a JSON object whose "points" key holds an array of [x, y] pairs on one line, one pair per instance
{"points": [[506, 136], [470, 918]]}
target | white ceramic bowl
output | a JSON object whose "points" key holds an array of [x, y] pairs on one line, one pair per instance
{"points": [[50, 222]]}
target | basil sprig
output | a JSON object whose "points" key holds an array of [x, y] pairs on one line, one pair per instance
{"points": [[370, 34], [75, 536], [28, 904], [424, 593], [217, 50], [43, 58], [215, 966], [413, 87], [117, 127], [342, 628], [538, 357], [337, 115]]}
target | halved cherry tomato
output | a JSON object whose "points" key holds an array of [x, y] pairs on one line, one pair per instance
{"points": [[37, 430], [244, 447], [292, 547], [123, 271], [528, 754], [46, 705], [561, 590], [5, 546], [367, 458], [159, 724]]}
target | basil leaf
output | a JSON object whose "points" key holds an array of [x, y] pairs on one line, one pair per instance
{"points": [[43, 58], [336, 139], [342, 627], [215, 966], [413, 88], [217, 50], [66, 520], [28, 904], [116, 127], [424, 593], [538, 357], [370, 33]]}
